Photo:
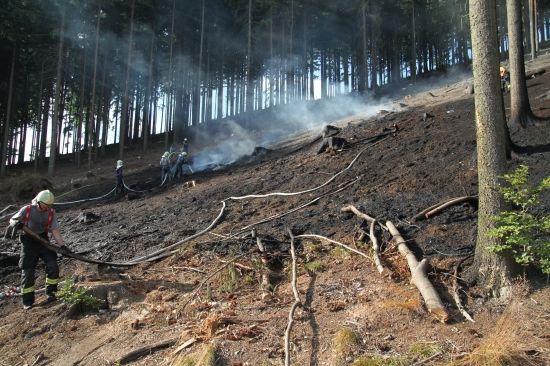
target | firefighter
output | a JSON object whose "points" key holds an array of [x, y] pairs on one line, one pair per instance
{"points": [[119, 178], [164, 166], [40, 218], [185, 146], [504, 79]]}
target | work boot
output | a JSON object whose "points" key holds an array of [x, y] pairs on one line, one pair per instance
{"points": [[27, 307], [50, 298]]}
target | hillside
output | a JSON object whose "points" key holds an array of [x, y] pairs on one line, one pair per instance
{"points": [[398, 163]]}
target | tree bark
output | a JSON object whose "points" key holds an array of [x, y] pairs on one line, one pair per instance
{"points": [[520, 108], [493, 271]]}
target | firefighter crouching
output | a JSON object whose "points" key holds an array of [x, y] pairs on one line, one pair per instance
{"points": [[40, 218]]}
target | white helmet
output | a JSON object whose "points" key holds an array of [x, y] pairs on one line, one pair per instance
{"points": [[119, 164], [45, 197], [183, 153]]}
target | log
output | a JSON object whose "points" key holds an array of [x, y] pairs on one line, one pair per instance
{"points": [[419, 277], [145, 351]]}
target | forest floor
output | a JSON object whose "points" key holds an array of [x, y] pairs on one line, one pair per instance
{"points": [[350, 312]]}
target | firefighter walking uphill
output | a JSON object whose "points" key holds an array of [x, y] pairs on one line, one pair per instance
{"points": [[40, 218]]}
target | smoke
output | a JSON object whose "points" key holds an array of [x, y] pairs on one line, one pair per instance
{"points": [[229, 141]]}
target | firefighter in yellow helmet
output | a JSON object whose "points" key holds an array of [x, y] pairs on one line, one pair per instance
{"points": [[504, 79], [39, 217]]}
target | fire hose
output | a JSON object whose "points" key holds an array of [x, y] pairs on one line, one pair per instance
{"points": [[67, 253]]}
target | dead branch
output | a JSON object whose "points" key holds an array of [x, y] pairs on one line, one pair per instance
{"points": [[296, 303], [372, 236], [419, 277], [319, 237], [450, 203], [456, 296], [146, 350], [308, 190], [194, 293], [364, 216], [239, 265], [270, 218], [265, 276], [375, 248], [432, 210]]}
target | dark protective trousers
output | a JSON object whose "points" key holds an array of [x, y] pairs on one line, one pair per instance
{"points": [[31, 251]]}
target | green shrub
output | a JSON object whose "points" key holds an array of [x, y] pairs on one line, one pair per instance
{"points": [[72, 295], [524, 232]]}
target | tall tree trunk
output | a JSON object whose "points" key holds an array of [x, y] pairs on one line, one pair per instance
{"points": [[533, 28], [45, 120], [57, 96], [198, 86], [92, 107], [170, 77], [249, 87], [81, 111], [147, 110], [125, 101], [520, 109], [413, 43], [7, 122], [493, 270], [363, 71], [39, 130]]}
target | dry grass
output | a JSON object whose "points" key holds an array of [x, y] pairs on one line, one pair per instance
{"points": [[404, 299], [506, 345]]}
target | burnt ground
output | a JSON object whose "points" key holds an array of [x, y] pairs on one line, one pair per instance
{"points": [[426, 161]]}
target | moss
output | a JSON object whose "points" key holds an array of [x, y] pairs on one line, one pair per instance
{"points": [[425, 349], [209, 356], [185, 361], [314, 266], [381, 361], [343, 343], [340, 252]]}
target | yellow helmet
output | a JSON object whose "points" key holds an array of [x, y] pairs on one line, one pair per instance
{"points": [[45, 197]]}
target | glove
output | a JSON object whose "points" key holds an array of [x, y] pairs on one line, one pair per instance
{"points": [[65, 251], [17, 225], [10, 233]]}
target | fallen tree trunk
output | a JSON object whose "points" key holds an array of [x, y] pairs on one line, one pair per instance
{"points": [[419, 277]]}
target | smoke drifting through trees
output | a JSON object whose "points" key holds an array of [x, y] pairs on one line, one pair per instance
{"points": [[240, 56]]}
